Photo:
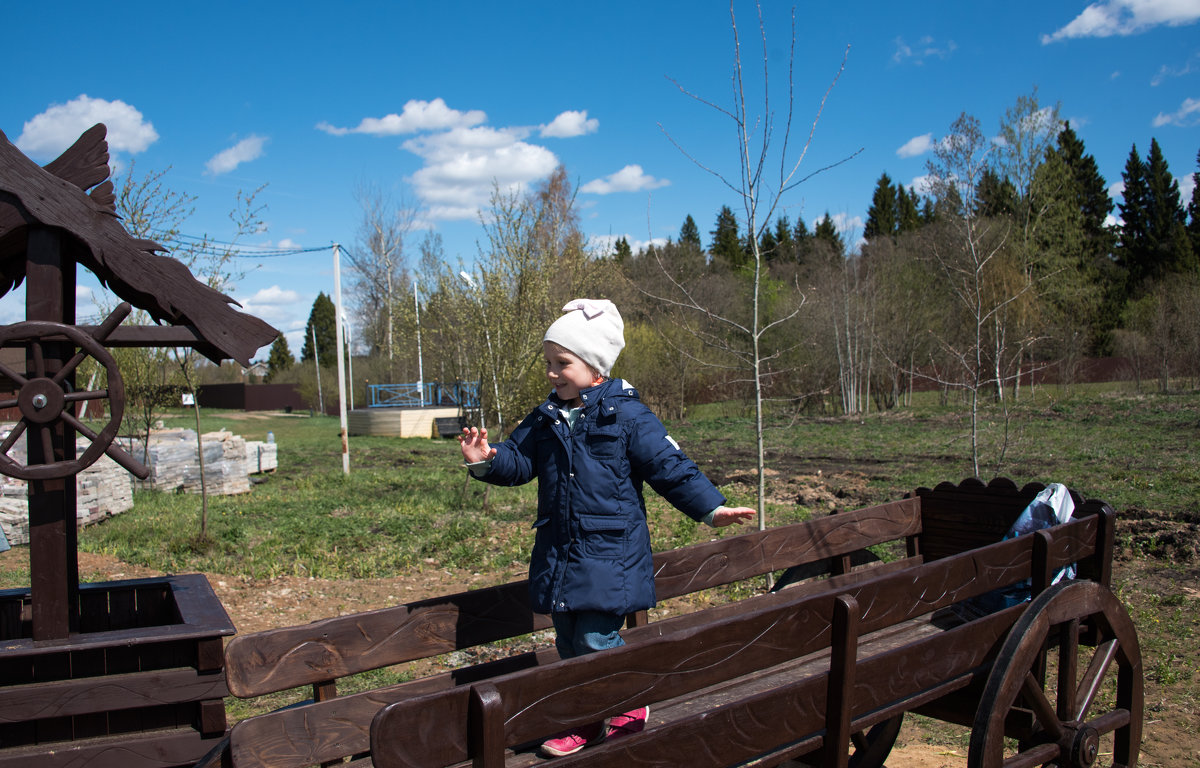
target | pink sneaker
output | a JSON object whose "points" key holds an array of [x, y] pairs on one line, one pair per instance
{"points": [[630, 722], [571, 741]]}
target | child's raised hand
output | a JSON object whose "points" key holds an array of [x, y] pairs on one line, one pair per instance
{"points": [[474, 445], [732, 515]]}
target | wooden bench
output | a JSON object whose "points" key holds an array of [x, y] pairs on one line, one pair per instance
{"points": [[768, 679], [332, 728]]}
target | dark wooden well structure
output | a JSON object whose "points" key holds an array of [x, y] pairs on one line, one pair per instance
{"points": [[128, 673]]}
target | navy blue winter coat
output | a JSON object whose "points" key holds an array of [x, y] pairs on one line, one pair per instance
{"points": [[592, 547]]}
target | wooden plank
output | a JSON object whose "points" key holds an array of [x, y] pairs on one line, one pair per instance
{"points": [[162, 749], [277, 660], [721, 649], [78, 696], [731, 559]]}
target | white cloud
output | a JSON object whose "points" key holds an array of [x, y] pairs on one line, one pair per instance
{"points": [[606, 245], [1186, 116], [1126, 17], [52, 131], [249, 148], [1117, 190], [925, 48], [917, 145], [462, 164], [288, 243], [1187, 184], [283, 308], [922, 185], [274, 295], [631, 178], [569, 124], [417, 116], [1165, 72]]}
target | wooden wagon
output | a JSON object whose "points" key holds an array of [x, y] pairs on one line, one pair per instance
{"points": [[819, 671]]}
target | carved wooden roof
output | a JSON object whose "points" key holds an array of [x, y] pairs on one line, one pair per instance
{"points": [[134, 269]]}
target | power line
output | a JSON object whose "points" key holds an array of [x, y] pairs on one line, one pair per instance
{"points": [[208, 246]]}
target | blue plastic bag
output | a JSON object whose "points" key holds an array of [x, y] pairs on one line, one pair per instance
{"points": [[1052, 506]]}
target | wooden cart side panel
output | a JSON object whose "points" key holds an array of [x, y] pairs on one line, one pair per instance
{"points": [[277, 660], [582, 689], [739, 731]]}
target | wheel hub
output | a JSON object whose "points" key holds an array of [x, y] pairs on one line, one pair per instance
{"points": [[1085, 746], [41, 400]]}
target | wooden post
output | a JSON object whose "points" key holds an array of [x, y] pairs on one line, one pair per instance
{"points": [[53, 561]]}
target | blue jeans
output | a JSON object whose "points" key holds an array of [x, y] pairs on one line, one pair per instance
{"points": [[581, 632]]}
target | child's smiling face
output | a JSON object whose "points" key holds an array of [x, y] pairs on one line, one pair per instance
{"points": [[567, 373]]}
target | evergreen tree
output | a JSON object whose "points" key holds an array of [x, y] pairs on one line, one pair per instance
{"points": [[689, 233], [826, 233], [1194, 209], [622, 251], [908, 216], [995, 196], [322, 322], [1091, 191], [785, 245], [768, 246], [279, 359], [801, 241], [1154, 240], [727, 248], [882, 215]]}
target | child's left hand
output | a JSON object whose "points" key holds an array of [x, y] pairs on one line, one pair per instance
{"points": [[732, 515]]}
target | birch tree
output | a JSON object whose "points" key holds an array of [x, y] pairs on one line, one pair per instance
{"points": [[769, 167]]}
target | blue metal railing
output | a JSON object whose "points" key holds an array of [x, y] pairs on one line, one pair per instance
{"points": [[464, 394]]}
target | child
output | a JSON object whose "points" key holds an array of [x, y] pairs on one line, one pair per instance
{"points": [[591, 445]]}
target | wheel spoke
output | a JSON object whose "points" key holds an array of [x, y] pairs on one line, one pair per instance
{"points": [[1039, 755], [1110, 721], [16, 378], [79, 426], [1089, 686], [39, 361], [1068, 667], [90, 394], [69, 368], [13, 436], [47, 444], [1035, 697], [13, 403]]}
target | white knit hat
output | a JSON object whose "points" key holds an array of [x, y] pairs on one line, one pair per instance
{"points": [[593, 330]]}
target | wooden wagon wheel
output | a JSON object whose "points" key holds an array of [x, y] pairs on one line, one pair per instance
{"points": [[44, 399], [1069, 722], [872, 746]]}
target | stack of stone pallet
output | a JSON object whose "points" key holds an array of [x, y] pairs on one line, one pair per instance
{"points": [[173, 464], [261, 457], [103, 489]]}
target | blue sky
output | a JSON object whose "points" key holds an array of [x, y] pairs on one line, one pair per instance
{"points": [[434, 102]]}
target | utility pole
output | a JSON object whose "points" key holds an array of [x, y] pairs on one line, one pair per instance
{"points": [[341, 355]]}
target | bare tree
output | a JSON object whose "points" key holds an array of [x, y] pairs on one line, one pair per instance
{"points": [[768, 168], [377, 265], [982, 272]]}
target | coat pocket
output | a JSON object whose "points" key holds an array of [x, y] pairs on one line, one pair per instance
{"points": [[605, 442], [603, 536]]}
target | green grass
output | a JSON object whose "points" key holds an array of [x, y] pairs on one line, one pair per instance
{"points": [[406, 501]]}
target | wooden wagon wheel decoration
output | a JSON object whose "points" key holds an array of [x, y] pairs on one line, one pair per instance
{"points": [[44, 400], [1070, 722]]}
